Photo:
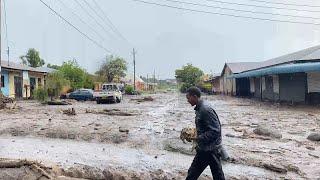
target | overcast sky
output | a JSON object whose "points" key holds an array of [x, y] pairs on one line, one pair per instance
{"points": [[165, 39]]}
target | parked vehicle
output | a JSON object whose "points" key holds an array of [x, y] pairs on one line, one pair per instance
{"points": [[109, 93], [81, 95]]}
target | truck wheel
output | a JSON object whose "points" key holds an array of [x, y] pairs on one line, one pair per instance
{"points": [[98, 101], [118, 100]]}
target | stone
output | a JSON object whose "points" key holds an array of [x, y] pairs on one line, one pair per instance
{"points": [[267, 131], [314, 137]]}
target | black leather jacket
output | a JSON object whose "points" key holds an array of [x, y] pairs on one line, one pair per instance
{"points": [[208, 127]]}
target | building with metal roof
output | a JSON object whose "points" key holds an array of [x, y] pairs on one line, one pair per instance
{"points": [[291, 78], [19, 81]]}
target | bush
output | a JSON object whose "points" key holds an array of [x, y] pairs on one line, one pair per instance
{"points": [[184, 87], [41, 94], [129, 90]]}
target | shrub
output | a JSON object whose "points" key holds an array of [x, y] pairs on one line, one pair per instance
{"points": [[41, 94], [129, 90]]}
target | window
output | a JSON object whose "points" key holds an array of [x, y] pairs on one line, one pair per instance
{"points": [[2, 81]]}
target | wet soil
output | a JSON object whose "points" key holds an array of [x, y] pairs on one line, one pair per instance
{"points": [[146, 143]]}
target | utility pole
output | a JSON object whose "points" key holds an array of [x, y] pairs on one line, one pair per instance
{"points": [[134, 68], [8, 52], [154, 79], [0, 45], [147, 82]]}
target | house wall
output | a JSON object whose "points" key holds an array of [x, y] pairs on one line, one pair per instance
{"points": [[229, 85], [37, 76], [257, 87], [293, 87], [313, 81], [221, 84], [216, 85], [5, 90], [252, 86], [276, 88], [267, 93], [12, 74]]}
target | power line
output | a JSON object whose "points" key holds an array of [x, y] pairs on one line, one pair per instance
{"points": [[239, 10], [69, 23], [287, 4], [78, 16], [260, 6], [5, 21], [114, 28], [6, 29], [91, 16], [225, 14], [95, 12]]}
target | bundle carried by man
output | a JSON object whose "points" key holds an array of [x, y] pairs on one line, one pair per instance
{"points": [[189, 134]]}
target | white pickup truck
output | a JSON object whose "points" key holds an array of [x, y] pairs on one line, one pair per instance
{"points": [[109, 93]]}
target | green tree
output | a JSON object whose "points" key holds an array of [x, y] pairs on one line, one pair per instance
{"points": [[114, 68], [88, 81], [74, 74], [53, 66], [55, 83], [32, 58], [188, 76]]}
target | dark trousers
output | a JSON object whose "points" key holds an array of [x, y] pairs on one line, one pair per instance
{"points": [[200, 163]]}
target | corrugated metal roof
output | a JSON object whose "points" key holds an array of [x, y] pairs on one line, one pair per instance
{"points": [[309, 54], [281, 69], [238, 67], [129, 79], [17, 66]]}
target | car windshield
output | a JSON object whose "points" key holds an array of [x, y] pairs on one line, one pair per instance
{"points": [[110, 87]]}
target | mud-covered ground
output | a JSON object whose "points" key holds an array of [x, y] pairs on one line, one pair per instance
{"points": [[141, 139]]}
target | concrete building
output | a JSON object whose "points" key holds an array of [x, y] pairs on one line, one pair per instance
{"points": [[19, 81], [293, 78], [228, 85]]}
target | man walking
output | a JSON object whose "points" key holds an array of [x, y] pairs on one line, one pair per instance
{"points": [[208, 138]]}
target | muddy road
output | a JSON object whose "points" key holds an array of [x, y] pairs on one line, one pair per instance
{"points": [[140, 139]]}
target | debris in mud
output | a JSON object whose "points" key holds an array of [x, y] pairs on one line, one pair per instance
{"points": [[310, 148], [275, 168], [314, 137], [175, 145], [69, 112], [295, 169], [10, 169], [232, 135], [118, 138], [111, 112], [85, 172], [58, 103], [261, 164], [313, 155], [241, 104], [4, 101], [266, 131], [121, 129], [145, 99]]}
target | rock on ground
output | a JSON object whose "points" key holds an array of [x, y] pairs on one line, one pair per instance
{"points": [[314, 137], [267, 131]]}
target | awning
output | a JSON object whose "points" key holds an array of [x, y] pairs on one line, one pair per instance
{"points": [[280, 69]]}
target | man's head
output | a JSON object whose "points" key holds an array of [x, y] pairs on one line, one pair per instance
{"points": [[193, 95]]}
